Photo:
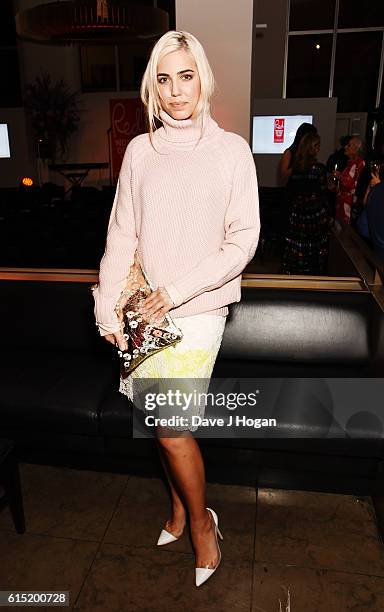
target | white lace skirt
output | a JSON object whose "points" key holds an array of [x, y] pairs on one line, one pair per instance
{"points": [[192, 358]]}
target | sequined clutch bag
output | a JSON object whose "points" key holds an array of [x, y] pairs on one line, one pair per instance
{"points": [[144, 336]]}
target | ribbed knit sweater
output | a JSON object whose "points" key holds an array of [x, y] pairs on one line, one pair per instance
{"points": [[191, 209]]}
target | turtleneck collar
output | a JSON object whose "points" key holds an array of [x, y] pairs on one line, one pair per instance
{"points": [[182, 132]]}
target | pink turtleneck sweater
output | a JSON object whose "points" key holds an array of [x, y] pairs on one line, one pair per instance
{"points": [[191, 210]]}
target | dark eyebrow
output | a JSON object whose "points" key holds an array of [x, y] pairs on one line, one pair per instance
{"points": [[180, 72]]}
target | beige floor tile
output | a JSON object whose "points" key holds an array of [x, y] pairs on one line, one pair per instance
{"points": [[143, 580], [145, 507], [142, 510], [315, 590], [66, 502], [41, 563], [318, 530], [325, 548], [236, 508]]}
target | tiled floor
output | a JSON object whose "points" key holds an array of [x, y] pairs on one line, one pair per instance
{"points": [[94, 534]]}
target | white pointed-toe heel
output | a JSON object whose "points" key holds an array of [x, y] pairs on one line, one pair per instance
{"points": [[166, 537], [203, 573]]}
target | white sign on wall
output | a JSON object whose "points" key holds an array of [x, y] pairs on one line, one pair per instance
{"points": [[4, 141], [274, 133]]}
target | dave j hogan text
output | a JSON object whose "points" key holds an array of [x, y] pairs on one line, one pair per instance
{"points": [[195, 420]]}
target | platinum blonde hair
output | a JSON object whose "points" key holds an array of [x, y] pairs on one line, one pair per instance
{"points": [[149, 91]]}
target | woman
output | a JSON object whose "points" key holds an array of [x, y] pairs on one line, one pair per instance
{"points": [[338, 160], [187, 199], [362, 225], [363, 191], [347, 179], [375, 215], [287, 159], [306, 242]]}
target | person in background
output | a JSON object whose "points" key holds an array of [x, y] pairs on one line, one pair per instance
{"points": [[359, 218], [375, 211], [347, 179], [337, 161], [288, 157], [305, 248], [366, 179], [376, 171], [285, 169]]}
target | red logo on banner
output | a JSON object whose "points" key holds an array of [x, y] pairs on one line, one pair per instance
{"points": [[127, 121], [278, 130]]}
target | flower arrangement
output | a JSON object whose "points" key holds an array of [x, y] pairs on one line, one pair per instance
{"points": [[54, 113]]}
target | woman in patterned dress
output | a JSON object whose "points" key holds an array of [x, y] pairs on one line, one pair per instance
{"points": [[305, 248]]}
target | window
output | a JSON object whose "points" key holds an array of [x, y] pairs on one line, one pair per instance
{"points": [[309, 62], [325, 58], [312, 15], [381, 104], [7, 24], [98, 71], [357, 71], [361, 14], [10, 95], [133, 60], [120, 67]]}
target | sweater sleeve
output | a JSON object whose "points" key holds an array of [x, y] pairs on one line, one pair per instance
{"points": [[121, 243], [242, 229]]}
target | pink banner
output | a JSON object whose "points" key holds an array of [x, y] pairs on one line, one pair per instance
{"points": [[127, 121], [278, 132]]}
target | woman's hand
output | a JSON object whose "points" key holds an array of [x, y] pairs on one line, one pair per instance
{"points": [[118, 340], [333, 180], [158, 303], [375, 180]]}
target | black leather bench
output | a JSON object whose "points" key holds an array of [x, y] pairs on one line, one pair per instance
{"points": [[60, 404]]}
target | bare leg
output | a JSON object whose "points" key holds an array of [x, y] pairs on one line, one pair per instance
{"points": [[186, 466], [176, 523]]}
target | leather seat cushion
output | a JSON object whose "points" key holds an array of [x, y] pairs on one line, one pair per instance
{"points": [[54, 390]]}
